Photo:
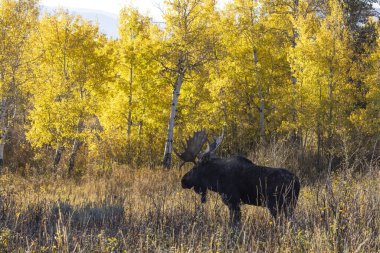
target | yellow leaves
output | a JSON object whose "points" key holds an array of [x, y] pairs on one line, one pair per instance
{"points": [[132, 24], [366, 120], [294, 59], [71, 64], [17, 18], [321, 61]]}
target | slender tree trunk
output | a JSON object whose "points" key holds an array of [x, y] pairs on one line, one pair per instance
{"points": [[4, 130], [169, 141], [319, 131], [7, 115], [262, 100], [140, 127], [295, 138], [1, 156], [130, 100], [132, 37], [73, 155], [262, 117], [57, 156], [319, 146], [223, 103], [74, 151], [330, 115]]}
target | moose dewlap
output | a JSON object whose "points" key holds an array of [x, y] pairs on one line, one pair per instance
{"points": [[238, 180]]}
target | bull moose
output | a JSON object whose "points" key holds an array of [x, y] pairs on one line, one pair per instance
{"points": [[237, 179]]}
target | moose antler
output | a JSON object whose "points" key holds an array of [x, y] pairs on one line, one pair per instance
{"points": [[213, 146], [192, 147]]}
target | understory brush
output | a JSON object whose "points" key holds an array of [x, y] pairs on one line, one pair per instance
{"points": [[145, 210]]}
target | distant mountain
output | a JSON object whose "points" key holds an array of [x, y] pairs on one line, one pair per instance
{"points": [[108, 22]]}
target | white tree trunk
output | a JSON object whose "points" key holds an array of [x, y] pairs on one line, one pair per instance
{"points": [[262, 100], [130, 100], [74, 152], [77, 144], [262, 116], [331, 104], [58, 155], [295, 134], [169, 140]]}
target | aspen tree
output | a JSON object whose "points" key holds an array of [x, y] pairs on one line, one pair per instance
{"points": [[188, 47], [17, 21], [69, 77]]}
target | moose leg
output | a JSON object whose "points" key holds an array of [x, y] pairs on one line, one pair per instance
{"points": [[283, 204], [234, 206], [274, 207], [203, 197], [201, 191], [291, 200], [235, 214], [289, 206]]}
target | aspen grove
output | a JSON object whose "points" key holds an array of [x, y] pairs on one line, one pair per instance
{"points": [[298, 72]]}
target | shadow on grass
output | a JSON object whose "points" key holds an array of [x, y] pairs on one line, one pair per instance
{"points": [[58, 223]]}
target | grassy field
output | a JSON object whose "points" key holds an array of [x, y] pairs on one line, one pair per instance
{"points": [[130, 210]]}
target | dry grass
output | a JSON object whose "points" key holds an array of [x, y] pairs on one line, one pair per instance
{"points": [[125, 210]]}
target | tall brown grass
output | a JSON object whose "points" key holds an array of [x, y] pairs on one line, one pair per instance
{"points": [[143, 210]]}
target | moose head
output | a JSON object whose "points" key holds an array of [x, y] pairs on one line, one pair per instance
{"points": [[192, 152]]}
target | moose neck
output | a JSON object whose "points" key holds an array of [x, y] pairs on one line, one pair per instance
{"points": [[211, 174]]}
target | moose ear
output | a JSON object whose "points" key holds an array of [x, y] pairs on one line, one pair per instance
{"points": [[206, 157], [211, 148]]}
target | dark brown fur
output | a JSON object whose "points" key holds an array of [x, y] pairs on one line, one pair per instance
{"points": [[239, 181]]}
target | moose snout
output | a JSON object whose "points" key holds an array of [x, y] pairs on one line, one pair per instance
{"points": [[185, 183]]}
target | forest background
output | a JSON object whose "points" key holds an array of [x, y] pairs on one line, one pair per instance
{"points": [[303, 73]]}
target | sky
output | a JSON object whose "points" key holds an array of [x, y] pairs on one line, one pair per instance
{"points": [[99, 10], [146, 7], [105, 12], [151, 8]]}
